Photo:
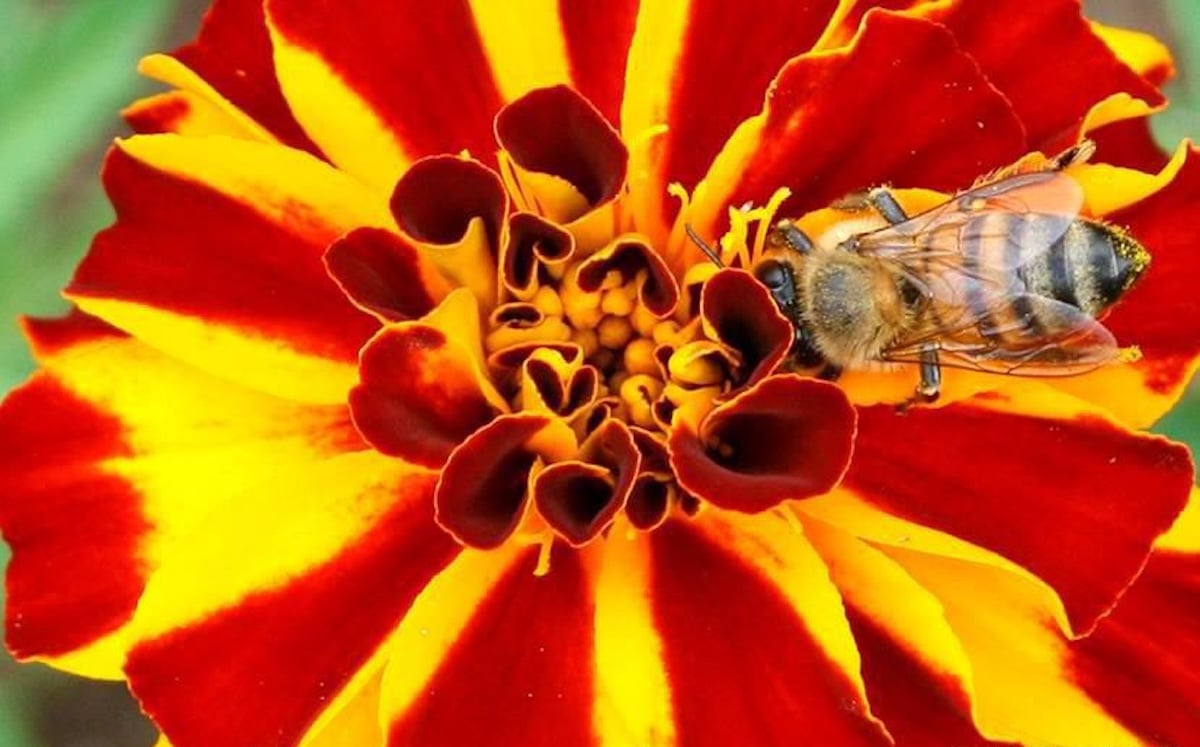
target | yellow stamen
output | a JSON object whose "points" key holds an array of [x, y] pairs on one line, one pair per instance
{"points": [[643, 320], [694, 364], [639, 357], [665, 332], [766, 220], [547, 301], [638, 393], [614, 332], [619, 301]]}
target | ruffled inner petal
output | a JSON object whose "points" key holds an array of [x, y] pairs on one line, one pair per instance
{"points": [[737, 310], [483, 492], [632, 257], [419, 397], [579, 499], [384, 275], [454, 208], [786, 438]]}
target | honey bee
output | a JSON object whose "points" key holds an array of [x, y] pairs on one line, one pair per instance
{"points": [[1006, 277]]}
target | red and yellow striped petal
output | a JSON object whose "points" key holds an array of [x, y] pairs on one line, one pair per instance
{"points": [[1047, 32], [633, 691], [882, 110], [1161, 314], [353, 722], [773, 660], [112, 455], [295, 590], [357, 74], [696, 70], [1023, 688], [1139, 665], [1075, 499], [216, 259], [849, 14], [493, 653], [918, 678], [230, 64], [188, 114], [1143, 53]]}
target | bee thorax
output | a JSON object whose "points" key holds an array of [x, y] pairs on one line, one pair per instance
{"points": [[852, 309]]}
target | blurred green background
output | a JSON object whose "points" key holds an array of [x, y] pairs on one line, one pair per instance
{"points": [[66, 68]]}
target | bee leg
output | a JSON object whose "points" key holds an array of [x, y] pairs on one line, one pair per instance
{"points": [[931, 376], [793, 238], [1079, 153], [883, 202]]}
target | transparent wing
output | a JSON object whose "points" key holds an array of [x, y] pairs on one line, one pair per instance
{"points": [[1016, 218], [1039, 336]]}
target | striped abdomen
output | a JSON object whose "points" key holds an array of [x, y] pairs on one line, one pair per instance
{"points": [[1015, 261]]}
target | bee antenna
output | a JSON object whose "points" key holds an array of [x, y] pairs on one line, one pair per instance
{"points": [[704, 247]]}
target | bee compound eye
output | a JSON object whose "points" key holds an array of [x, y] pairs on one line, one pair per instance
{"points": [[772, 274]]}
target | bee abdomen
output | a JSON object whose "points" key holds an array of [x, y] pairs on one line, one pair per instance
{"points": [[1089, 266]]}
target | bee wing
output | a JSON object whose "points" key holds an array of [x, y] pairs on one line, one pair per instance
{"points": [[990, 214], [1041, 337]]}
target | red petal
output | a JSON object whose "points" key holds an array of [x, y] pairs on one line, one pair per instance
{"points": [[851, 14], [64, 517], [233, 54], [522, 668], [787, 438], [1161, 314], [482, 494], [738, 311], [826, 133], [439, 195], [597, 37], [383, 52], [743, 667], [1130, 143], [419, 396], [192, 250], [556, 131], [1050, 106], [381, 273], [1140, 663], [721, 67], [1076, 501], [283, 653], [579, 499], [920, 707], [97, 456]]}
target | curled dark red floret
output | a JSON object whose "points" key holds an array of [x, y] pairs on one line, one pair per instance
{"points": [[787, 438]]}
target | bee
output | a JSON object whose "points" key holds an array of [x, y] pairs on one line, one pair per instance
{"points": [[1006, 277]]}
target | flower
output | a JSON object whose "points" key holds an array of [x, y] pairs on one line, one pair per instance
{"points": [[397, 408]]}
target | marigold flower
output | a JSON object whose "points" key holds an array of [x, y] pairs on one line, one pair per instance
{"points": [[397, 407]]}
